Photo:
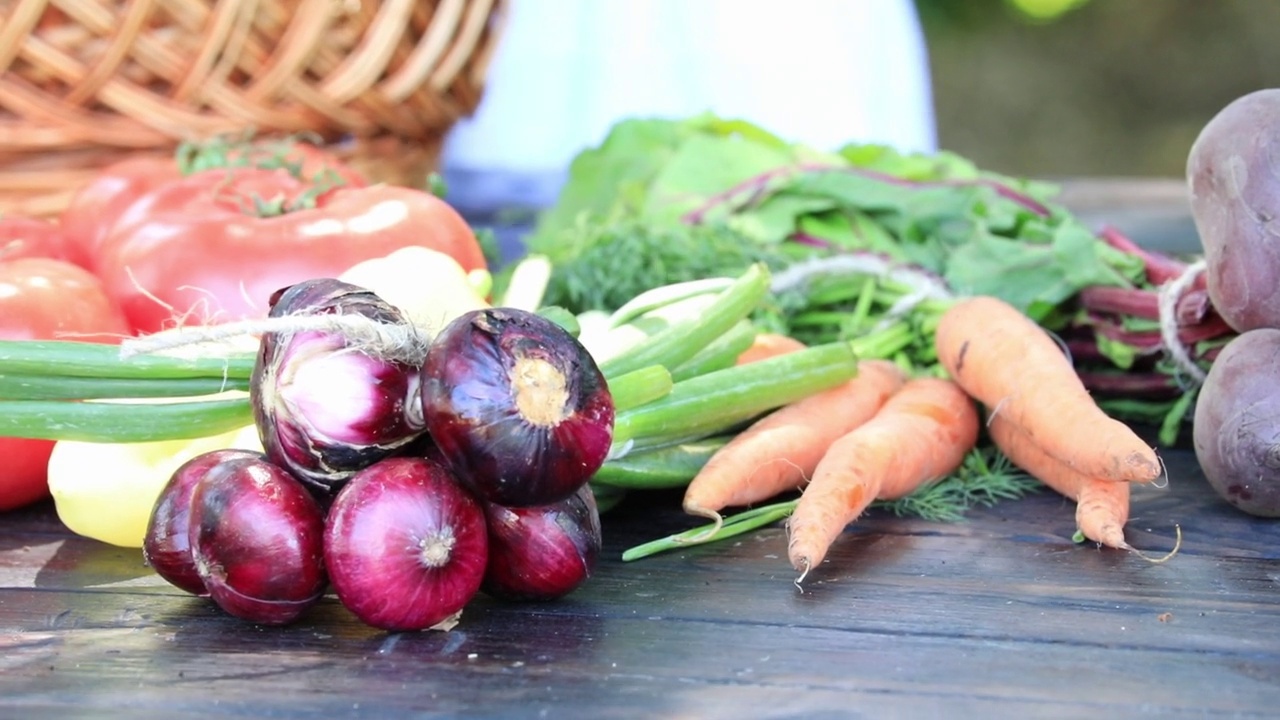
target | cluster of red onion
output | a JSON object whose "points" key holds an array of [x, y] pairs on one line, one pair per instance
{"points": [[406, 475]]}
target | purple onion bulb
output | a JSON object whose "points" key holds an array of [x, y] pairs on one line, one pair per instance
{"points": [[517, 406], [324, 407]]}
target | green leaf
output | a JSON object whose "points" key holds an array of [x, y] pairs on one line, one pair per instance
{"points": [[1025, 274], [1121, 354], [1076, 252], [779, 216], [703, 166], [735, 126], [612, 179]]}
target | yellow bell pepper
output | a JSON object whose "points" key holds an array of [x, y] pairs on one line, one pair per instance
{"points": [[106, 491], [430, 287]]}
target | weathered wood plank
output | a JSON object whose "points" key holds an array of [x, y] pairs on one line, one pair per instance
{"points": [[602, 666], [1000, 615]]}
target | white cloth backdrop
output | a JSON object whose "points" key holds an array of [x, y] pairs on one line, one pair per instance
{"points": [[822, 72]]}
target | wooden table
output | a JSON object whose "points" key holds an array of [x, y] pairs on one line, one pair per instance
{"points": [[999, 616]]}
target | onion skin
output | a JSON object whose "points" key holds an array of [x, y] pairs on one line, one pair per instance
{"points": [[166, 547], [543, 552], [323, 411], [257, 539], [517, 405], [406, 544]]}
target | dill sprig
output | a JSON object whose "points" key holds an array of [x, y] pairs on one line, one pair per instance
{"points": [[602, 265], [984, 478]]}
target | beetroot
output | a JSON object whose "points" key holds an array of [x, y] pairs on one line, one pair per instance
{"points": [[1237, 423], [1235, 200]]}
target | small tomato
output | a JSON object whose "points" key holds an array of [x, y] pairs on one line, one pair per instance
{"points": [[46, 299], [22, 237]]}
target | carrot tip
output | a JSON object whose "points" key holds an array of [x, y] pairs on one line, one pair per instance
{"points": [[1161, 481], [803, 566]]}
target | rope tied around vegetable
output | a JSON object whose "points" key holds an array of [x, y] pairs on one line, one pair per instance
{"points": [[396, 342], [1169, 295]]}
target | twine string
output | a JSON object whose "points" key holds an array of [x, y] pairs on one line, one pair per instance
{"points": [[1170, 293]]}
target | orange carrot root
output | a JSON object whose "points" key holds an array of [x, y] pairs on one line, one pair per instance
{"points": [[780, 451], [769, 345], [1102, 509], [1102, 506], [920, 435], [1005, 360]]}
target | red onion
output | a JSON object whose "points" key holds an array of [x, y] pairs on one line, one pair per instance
{"points": [[517, 405], [324, 407], [542, 552], [406, 544], [257, 540], [166, 545]]}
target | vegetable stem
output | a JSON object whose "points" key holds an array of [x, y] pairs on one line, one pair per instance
{"points": [[66, 358], [117, 422], [710, 403], [640, 387], [733, 525], [683, 340], [720, 354], [661, 468], [46, 387]]}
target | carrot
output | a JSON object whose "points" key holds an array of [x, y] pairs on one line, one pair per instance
{"points": [[779, 451], [1004, 359], [1102, 506], [767, 345], [920, 435]]}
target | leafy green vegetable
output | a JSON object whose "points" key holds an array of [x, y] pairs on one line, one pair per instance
{"points": [[857, 239], [663, 200], [750, 194]]}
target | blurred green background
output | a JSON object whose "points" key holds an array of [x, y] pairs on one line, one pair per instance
{"points": [[1057, 88]]}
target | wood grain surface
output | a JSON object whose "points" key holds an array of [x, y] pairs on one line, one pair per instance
{"points": [[1001, 615]]}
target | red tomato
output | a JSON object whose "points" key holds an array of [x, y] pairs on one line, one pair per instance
{"points": [[200, 250], [88, 218], [95, 208], [22, 237], [47, 299], [23, 480]]}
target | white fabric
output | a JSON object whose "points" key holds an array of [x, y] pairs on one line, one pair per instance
{"points": [[821, 72]]}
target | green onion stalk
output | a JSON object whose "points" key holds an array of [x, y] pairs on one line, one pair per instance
{"points": [[677, 384]]}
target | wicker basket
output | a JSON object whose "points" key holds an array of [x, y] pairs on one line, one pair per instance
{"points": [[86, 82]]}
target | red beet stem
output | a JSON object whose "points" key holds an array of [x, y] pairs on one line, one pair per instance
{"points": [[1191, 308], [1160, 268]]}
